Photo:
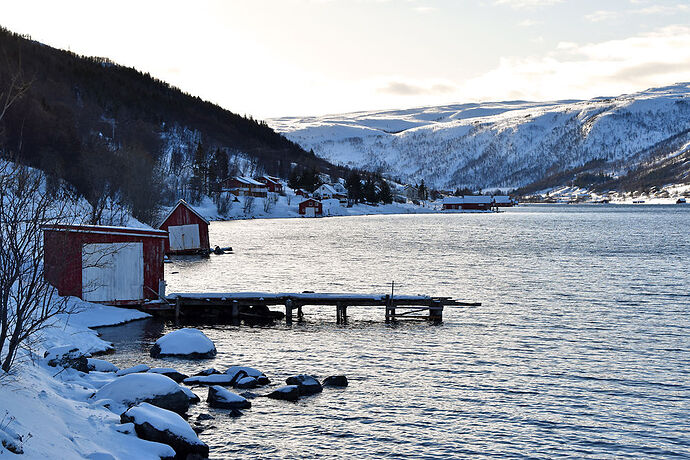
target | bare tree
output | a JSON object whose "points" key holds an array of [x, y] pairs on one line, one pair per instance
{"points": [[27, 300], [248, 205]]}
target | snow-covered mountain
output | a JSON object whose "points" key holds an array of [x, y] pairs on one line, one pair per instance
{"points": [[503, 144]]}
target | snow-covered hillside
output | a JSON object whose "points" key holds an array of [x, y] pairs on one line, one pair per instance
{"points": [[503, 144]]}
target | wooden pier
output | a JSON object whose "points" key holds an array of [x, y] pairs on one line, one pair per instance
{"points": [[249, 304]]}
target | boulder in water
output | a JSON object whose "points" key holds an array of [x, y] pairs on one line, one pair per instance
{"points": [[169, 372], [335, 381], [132, 370], [223, 398], [184, 343], [67, 357], [307, 384], [285, 393]]}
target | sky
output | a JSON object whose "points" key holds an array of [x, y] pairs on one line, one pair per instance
{"points": [[273, 58]]}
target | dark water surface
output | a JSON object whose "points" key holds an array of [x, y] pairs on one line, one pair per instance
{"points": [[580, 348]]}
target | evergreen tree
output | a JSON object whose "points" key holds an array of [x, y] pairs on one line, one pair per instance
{"points": [[199, 180], [370, 195], [353, 184], [422, 191], [385, 195]]}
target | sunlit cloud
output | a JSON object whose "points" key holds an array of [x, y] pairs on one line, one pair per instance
{"points": [[526, 3]]}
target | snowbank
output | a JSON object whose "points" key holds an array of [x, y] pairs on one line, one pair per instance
{"points": [[187, 342]]}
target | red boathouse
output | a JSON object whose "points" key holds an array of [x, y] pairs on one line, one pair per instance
{"points": [[187, 230], [311, 208], [111, 265]]}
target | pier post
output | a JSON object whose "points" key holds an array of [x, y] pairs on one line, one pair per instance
{"points": [[288, 311], [338, 313], [235, 309], [343, 314], [436, 312], [177, 310], [388, 306], [300, 315]]}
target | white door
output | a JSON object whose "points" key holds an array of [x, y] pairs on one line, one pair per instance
{"points": [[184, 237], [112, 271], [310, 212]]}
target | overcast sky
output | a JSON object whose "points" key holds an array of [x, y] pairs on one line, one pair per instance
{"points": [[271, 58]]}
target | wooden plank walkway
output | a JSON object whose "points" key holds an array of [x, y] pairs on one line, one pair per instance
{"points": [[234, 304]]}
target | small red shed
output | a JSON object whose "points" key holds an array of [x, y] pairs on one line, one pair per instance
{"points": [[112, 265], [187, 230], [311, 208]]}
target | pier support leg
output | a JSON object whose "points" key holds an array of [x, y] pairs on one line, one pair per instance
{"points": [[343, 314], [338, 314], [300, 315], [436, 312], [235, 309], [177, 310], [288, 312]]}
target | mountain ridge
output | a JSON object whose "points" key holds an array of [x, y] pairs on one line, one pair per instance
{"points": [[508, 145]]}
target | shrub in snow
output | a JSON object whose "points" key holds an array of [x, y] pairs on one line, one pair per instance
{"points": [[335, 381], [307, 384], [156, 389], [132, 370], [187, 343], [101, 365], [169, 372], [285, 393], [159, 425], [67, 357], [222, 398]]}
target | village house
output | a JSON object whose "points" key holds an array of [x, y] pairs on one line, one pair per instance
{"points": [[328, 191], [311, 208], [302, 192], [273, 184], [245, 186], [467, 202], [111, 265], [411, 192], [187, 230], [503, 201]]}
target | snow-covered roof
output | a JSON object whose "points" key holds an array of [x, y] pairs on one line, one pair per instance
{"points": [[325, 188], [106, 230], [248, 180], [501, 199], [186, 205], [275, 180], [467, 199]]}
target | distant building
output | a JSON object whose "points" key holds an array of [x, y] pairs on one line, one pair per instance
{"points": [[328, 191], [301, 192], [311, 208], [187, 230], [245, 186], [111, 265], [411, 192], [272, 184], [468, 202], [503, 201]]}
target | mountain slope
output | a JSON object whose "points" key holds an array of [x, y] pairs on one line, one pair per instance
{"points": [[504, 144], [94, 122]]}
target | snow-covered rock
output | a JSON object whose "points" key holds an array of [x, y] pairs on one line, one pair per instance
{"points": [[156, 389], [307, 384], [285, 393], [223, 398], [206, 372], [160, 425], [101, 365], [193, 398], [187, 343], [248, 371], [335, 381], [213, 379], [246, 383], [169, 372], [133, 370], [67, 356]]}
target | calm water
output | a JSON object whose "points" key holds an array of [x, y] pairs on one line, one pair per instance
{"points": [[580, 348]]}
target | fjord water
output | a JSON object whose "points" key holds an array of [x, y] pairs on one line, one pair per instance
{"points": [[581, 347]]}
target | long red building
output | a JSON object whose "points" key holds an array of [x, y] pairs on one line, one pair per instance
{"points": [[112, 265]]}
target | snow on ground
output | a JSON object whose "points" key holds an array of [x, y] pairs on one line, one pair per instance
{"points": [[47, 410]]}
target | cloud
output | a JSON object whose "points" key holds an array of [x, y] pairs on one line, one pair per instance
{"points": [[517, 4], [587, 70], [528, 23], [602, 15], [424, 9], [402, 88]]}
